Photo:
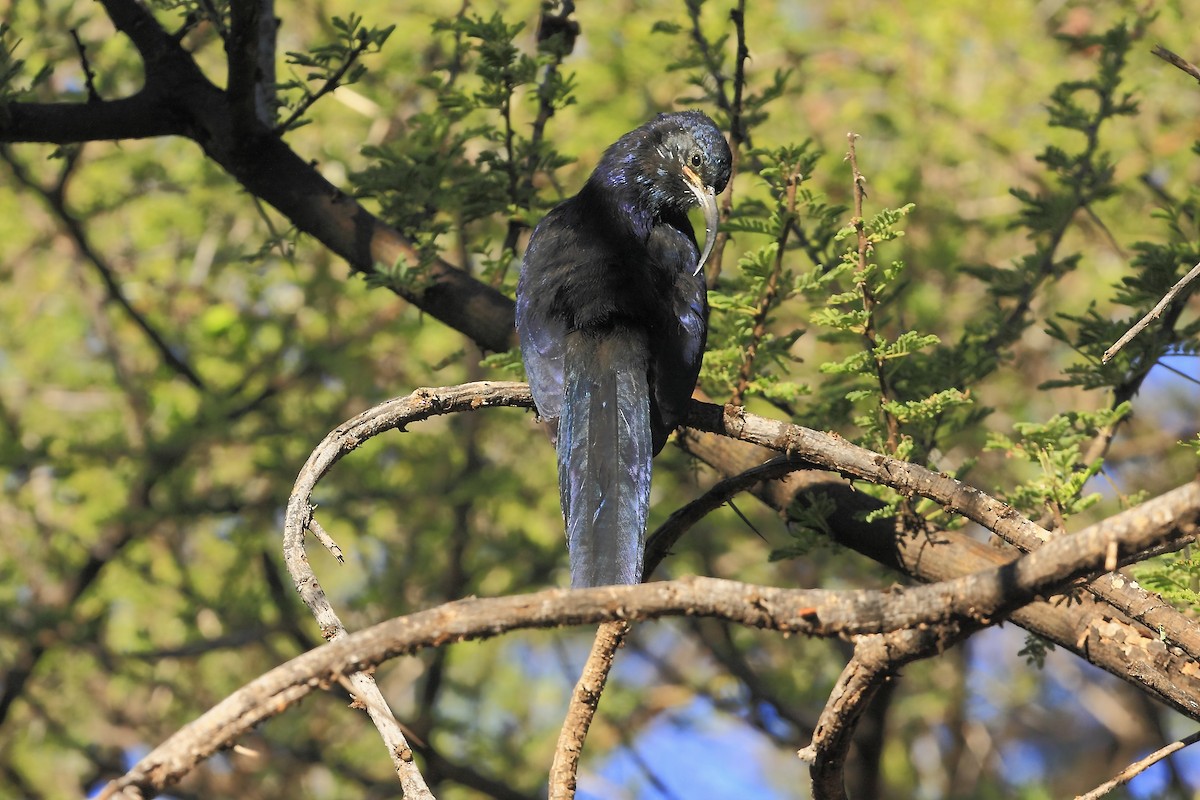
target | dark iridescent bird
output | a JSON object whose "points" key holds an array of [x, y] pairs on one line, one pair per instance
{"points": [[611, 312]]}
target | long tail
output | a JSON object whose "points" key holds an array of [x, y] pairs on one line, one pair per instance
{"points": [[604, 452]]}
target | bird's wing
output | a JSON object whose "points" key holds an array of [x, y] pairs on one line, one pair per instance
{"points": [[677, 348]]}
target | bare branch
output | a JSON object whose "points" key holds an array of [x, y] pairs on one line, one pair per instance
{"points": [[1154, 314], [346, 437], [1174, 60], [582, 708], [1172, 510], [875, 660], [973, 600], [1091, 629], [1138, 767]]}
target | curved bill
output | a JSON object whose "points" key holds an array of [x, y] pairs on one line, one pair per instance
{"points": [[706, 196]]}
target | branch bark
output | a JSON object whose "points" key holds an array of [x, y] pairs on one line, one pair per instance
{"points": [[585, 699], [876, 659], [964, 603], [179, 100]]}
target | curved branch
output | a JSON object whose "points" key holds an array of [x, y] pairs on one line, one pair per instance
{"points": [[986, 593], [974, 600], [966, 603], [876, 658], [346, 437]]}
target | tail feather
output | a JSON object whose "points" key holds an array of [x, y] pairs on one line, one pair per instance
{"points": [[604, 451]]}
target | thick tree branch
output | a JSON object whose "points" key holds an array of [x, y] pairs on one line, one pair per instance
{"points": [[986, 593], [976, 599], [140, 116], [969, 601], [251, 59], [1093, 630], [179, 100], [836, 454]]}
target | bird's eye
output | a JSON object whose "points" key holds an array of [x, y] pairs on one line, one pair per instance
{"points": [[695, 159]]}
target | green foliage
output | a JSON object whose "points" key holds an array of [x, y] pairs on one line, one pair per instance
{"points": [[12, 68], [1035, 650], [1056, 447], [1158, 266], [1176, 577], [808, 526], [467, 161], [881, 381], [745, 358], [115, 465], [328, 66], [1079, 179]]}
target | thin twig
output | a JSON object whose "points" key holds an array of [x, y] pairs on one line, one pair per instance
{"points": [[1171, 58], [1153, 315], [326, 540], [55, 199], [329, 84], [582, 708], [89, 77], [1138, 767], [556, 34], [739, 136], [865, 250], [659, 543]]}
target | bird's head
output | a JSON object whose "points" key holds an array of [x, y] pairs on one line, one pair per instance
{"points": [[674, 162]]}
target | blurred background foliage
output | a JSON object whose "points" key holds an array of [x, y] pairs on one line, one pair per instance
{"points": [[171, 351]]}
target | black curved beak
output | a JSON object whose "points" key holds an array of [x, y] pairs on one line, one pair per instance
{"points": [[706, 196]]}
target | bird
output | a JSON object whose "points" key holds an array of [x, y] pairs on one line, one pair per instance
{"points": [[611, 316]]}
